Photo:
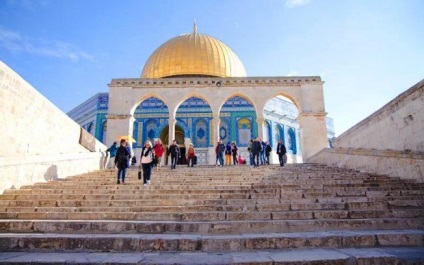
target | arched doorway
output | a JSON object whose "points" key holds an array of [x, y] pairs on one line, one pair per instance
{"points": [[281, 123], [179, 136]]}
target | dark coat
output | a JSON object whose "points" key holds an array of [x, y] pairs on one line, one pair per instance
{"points": [[268, 150], [122, 157], [220, 148], [174, 150], [256, 147], [281, 149]]}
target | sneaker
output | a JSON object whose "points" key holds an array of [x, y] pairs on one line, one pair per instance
{"points": [[144, 184], [118, 182], [148, 182]]}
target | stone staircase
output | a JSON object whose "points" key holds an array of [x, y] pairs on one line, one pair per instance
{"points": [[299, 214]]}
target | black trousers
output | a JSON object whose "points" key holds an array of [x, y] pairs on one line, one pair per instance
{"points": [[235, 161], [174, 161], [281, 159], [147, 172]]}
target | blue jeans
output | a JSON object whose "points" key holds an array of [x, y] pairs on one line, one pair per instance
{"points": [[124, 172], [173, 161], [147, 172], [221, 158], [262, 156], [256, 159], [251, 159]]}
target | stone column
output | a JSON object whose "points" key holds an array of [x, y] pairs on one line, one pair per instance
{"points": [[118, 125], [313, 133], [171, 135], [215, 129], [260, 123]]}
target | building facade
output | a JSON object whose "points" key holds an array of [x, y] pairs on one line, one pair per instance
{"points": [[194, 89]]}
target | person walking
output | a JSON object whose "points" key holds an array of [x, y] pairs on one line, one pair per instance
{"points": [[146, 161], [174, 150], [268, 150], [228, 154], [234, 150], [191, 155], [281, 151], [159, 149], [111, 154], [121, 161], [220, 151], [256, 150]]}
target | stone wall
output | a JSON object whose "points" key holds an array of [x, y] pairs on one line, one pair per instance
{"points": [[40, 142], [405, 165], [399, 125], [389, 142]]}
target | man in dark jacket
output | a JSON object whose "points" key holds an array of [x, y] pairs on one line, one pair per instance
{"points": [[268, 150], [220, 148], [256, 150], [174, 150], [281, 151]]}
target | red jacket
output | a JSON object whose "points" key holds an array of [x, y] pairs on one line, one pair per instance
{"points": [[159, 149]]}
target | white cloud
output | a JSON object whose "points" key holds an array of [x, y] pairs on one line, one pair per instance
{"points": [[296, 3], [15, 42]]}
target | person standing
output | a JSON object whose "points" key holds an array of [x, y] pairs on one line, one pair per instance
{"points": [[220, 151], [130, 151], [234, 150], [268, 150], [174, 150], [121, 161], [228, 154], [262, 154], [249, 149], [281, 151], [111, 154], [191, 155], [216, 153], [159, 149], [146, 161], [256, 150]]}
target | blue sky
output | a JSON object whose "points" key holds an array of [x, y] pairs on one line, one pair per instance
{"points": [[367, 52]]}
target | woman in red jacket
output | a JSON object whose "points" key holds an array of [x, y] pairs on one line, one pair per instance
{"points": [[159, 149]]}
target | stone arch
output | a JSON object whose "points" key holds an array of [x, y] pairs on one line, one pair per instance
{"points": [[188, 96], [147, 96], [246, 97], [286, 95]]}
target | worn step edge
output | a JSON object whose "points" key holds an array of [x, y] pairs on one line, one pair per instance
{"points": [[197, 242], [348, 256], [211, 227]]}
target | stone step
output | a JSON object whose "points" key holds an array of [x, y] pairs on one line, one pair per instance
{"points": [[212, 215], [154, 206], [209, 243], [274, 202], [206, 227], [342, 256]]}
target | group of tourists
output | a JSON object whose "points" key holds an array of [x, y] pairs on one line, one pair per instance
{"points": [[151, 156]]}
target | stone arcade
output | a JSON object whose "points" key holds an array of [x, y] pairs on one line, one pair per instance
{"points": [[194, 88]]}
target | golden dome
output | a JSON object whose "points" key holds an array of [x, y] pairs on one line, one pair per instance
{"points": [[193, 54]]}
